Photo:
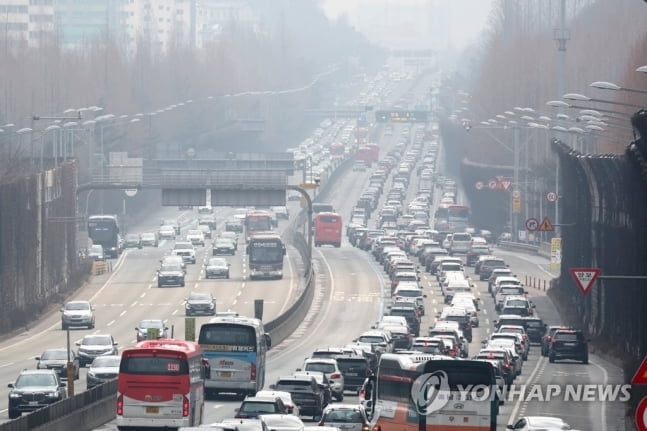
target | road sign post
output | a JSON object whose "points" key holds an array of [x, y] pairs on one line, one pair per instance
{"points": [[551, 196], [641, 415], [532, 224], [640, 378], [585, 278]]}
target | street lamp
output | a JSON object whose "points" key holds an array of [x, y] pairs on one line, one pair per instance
{"points": [[642, 69], [562, 104], [604, 85], [583, 98]]}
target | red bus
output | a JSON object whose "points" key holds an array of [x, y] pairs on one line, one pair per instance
{"points": [[374, 151], [257, 221], [328, 229], [365, 155], [361, 135], [337, 150], [161, 384]]}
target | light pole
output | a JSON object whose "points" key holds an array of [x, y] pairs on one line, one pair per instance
{"points": [[605, 85], [583, 98]]}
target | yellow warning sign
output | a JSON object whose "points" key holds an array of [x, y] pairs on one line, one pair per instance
{"points": [[516, 205], [546, 225]]}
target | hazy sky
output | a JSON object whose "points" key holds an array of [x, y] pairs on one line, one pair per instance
{"points": [[468, 16]]}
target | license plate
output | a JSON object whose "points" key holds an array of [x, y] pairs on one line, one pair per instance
{"points": [[569, 344], [152, 410], [33, 403], [225, 374], [352, 374]]}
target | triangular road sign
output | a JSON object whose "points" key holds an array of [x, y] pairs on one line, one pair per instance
{"points": [[546, 225], [585, 277], [640, 378], [506, 183]]}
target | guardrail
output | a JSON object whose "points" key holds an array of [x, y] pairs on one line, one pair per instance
{"points": [[519, 246], [84, 411], [92, 408]]}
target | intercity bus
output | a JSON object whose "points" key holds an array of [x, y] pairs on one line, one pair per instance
{"points": [[395, 406], [458, 218], [266, 252], [328, 229], [236, 348], [161, 384], [104, 230], [257, 221]]}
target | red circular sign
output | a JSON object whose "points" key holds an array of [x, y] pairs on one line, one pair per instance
{"points": [[641, 415]]}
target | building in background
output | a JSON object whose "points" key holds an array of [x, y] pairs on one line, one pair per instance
{"points": [[26, 23], [161, 23]]}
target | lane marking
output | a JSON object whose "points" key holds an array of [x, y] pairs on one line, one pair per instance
{"points": [[122, 313], [110, 323]]}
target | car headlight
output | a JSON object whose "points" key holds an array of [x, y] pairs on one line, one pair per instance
{"points": [[91, 373], [14, 395], [52, 394]]}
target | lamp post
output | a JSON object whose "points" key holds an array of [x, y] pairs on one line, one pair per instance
{"points": [[604, 85], [583, 98]]}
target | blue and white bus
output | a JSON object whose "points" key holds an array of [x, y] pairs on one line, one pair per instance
{"points": [[236, 348]]}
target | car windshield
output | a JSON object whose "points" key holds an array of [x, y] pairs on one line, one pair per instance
{"points": [[200, 297], [258, 407], [511, 290], [195, 232], [145, 324], [94, 340], [409, 293], [516, 303], [566, 337], [53, 354], [369, 339], [132, 237], [343, 416], [223, 242], [29, 380], [217, 262], [322, 367], [77, 306], [106, 361], [148, 236], [182, 246], [171, 267], [96, 249]]}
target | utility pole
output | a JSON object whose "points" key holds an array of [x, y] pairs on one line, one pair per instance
{"points": [[561, 36], [515, 183]]}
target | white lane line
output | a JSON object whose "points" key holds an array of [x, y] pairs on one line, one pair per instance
{"points": [[603, 410], [142, 295], [233, 303], [150, 286], [195, 286], [217, 406], [529, 383], [110, 323], [133, 304], [122, 313], [242, 285], [174, 313], [239, 293], [7, 364]]}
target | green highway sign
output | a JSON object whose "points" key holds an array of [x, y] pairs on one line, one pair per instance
{"points": [[400, 116]]}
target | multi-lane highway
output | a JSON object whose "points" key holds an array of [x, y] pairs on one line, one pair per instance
{"points": [[351, 295]]}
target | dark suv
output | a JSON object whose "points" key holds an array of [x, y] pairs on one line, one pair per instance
{"points": [[355, 369], [33, 390], [411, 315], [569, 344], [306, 394]]}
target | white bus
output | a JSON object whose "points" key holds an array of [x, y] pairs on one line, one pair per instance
{"points": [[236, 348], [396, 407]]}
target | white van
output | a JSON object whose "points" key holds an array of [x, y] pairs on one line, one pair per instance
{"points": [[454, 285]]}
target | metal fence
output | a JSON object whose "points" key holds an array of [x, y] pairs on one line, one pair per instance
{"points": [[38, 254]]}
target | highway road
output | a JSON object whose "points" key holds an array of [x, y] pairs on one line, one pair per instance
{"points": [[350, 297]]}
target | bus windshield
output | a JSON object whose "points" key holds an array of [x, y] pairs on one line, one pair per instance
{"points": [[259, 224], [103, 230], [225, 334], [265, 252]]}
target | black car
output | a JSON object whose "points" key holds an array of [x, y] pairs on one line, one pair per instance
{"points": [[170, 275], [234, 225], [412, 317], [355, 369], [306, 394], [200, 303], [569, 344], [535, 328], [223, 246], [547, 337], [34, 389], [56, 359]]}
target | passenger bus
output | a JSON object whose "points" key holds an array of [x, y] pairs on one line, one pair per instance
{"points": [[337, 150], [441, 217], [465, 394], [236, 348], [328, 229], [257, 221], [364, 154], [458, 218], [161, 384], [266, 252], [104, 230], [320, 207], [374, 151]]}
